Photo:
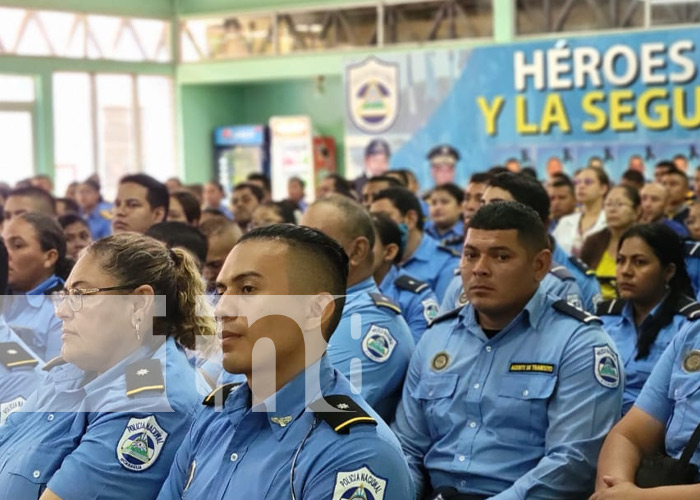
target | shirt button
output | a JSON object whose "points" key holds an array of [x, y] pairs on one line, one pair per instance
{"points": [[50, 417], [36, 474], [476, 386], [488, 348], [526, 392], [472, 424], [234, 457], [462, 458], [463, 482], [430, 393]]}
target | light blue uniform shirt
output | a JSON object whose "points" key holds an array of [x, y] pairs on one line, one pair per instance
{"points": [[619, 323], [20, 371], [432, 263], [88, 440], [99, 221], [585, 278], [249, 453], [672, 392], [692, 264], [33, 318], [379, 338], [519, 416], [417, 301], [452, 238], [558, 281]]}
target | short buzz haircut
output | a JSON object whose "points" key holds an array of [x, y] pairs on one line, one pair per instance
{"points": [[634, 176], [340, 184], [257, 192], [479, 178], [190, 205], [563, 181], [392, 181], [403, 200], [264, 179], [46, 204], [179, 234], [322, 252], [299, 181], [357, 221], [402, 173], [452, 189], [525, 190], [156, 192], [677, 171], [507, 215]]}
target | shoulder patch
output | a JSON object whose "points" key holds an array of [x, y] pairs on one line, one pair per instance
{"points": [[610, 307], [449, 250], [141, 443], [406, 282], [341, 412], [218, 396], [606, 366], [378, 344], [562, 273], [53, 363], [13, 355], [691, 310], [145, 375], [359, 484], [448, 315], [692, 249], [8, 408], [384, 301], [581, 265], [564, 307]]}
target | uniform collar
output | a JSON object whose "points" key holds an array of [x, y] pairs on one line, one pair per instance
{"points": [[365, 285], [36, 297], [531, 314], [456, 230], [628, 312], [425, 249], [390, 277]]}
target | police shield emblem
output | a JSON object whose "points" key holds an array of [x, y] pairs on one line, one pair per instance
{"points": [[607, 371], [361, 484], [141, 443], [378, 344], [372, 89]]}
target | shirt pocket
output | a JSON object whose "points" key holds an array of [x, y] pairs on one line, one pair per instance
{"points": [[684, 391], [436, 394], [521, 406], [30, 471]]}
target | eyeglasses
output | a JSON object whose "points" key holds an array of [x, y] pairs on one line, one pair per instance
{"points": [[75, 295]]}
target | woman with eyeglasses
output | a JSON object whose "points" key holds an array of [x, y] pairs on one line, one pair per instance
{"points": [[655, 301], [110, 414], [591, 185], [599, 251], [37, 267]]}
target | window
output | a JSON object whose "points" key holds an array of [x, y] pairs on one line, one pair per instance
{"points": [[112, 124], [16, 127]]}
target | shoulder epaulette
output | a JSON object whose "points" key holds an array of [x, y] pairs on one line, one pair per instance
{"points": [[562, 273], [410, 283], [384, 301], [610, 307], [456, 271], [449, 314], [341, 412], [218, 396], [690, 309], [13, 355], [581, 265], [53, 363], [145, 375], [453, 240], [692, 248], [449, 250], [56, 288], [106, 214], [564, 307]]}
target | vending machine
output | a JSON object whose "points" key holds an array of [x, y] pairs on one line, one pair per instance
{"points": [[239, 151]]}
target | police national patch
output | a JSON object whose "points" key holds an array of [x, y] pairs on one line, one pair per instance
{"points": [[430, 309], [607, 367], [9, 407], [141, 443], [361, 484], [378, 344]]}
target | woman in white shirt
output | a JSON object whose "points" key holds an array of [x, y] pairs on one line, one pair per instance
{"points": [[591, 185]]}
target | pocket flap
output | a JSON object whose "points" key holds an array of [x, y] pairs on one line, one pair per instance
{"points": [[527, 386], [436, 386]]}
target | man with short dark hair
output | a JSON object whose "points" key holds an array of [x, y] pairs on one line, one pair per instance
{"points": [[443, 163], [376, 162], [43, 181], [222, 235], [445, 222], [245, 198], [472, 195], [530, 385], [385, 343], [30, 199], [334, 183], [562, 199], [296, 427], [661, 168], [374, 185], [141, 202], [263, 182], [654, 198], [633, 178], [424, 258], [213, 195], [676, 183]]}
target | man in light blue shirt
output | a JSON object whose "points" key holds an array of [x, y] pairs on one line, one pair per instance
{"points": [[511, 396]]}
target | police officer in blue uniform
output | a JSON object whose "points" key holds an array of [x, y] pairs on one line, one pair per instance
{"points": [[530, 385], [371, 330], [692, 263], [445, 223], [19, 367], [664, 417], [415, 298], [96, 212], [443, 160], [307, 435], [110, 414], [655, 301], [517, 187], [424, 258]]}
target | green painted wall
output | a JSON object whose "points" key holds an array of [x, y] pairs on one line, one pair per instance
{"points": [[208, 7], [204, 107], [136, 8]]}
